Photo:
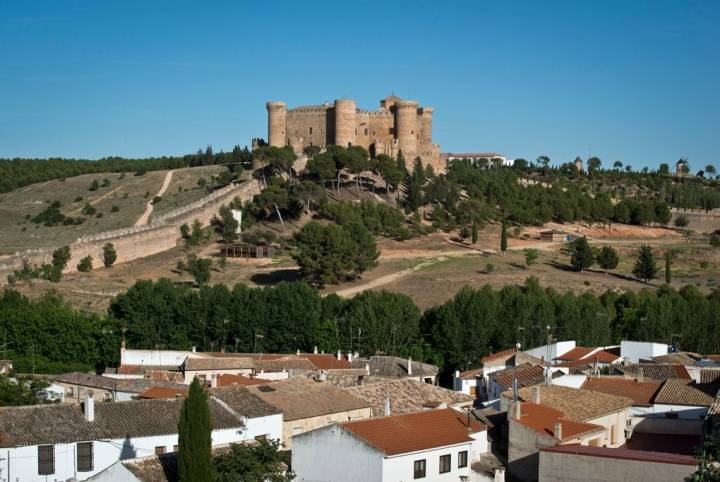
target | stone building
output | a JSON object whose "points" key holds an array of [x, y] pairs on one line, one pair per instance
{"points": [[397, 126]]}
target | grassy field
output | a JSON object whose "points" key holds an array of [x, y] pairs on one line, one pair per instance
{"points": [[129, 193]]}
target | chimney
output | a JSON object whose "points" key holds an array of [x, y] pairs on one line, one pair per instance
{"points": [[89, 407], [536, 394], [499, 474], [350, 356], [387, 405], [315, 350], [356, 355], [297, 352], [222, 349], [122, 352], [339, 355], [409, 366], [194, 349], [640, 374], [213, 381], [515, 389], [558, 430], [367, 369], [457, 374]]}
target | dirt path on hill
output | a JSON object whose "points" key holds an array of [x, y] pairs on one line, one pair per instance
{"points": [[143, 220]]}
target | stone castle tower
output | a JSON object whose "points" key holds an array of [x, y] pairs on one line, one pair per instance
{"points": [[397, 126]]}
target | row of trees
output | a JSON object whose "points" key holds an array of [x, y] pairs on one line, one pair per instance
{"points": [[293, 316], [15, 173]]}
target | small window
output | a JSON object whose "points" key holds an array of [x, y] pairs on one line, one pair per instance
{"points": [[419, 469], [70, 391], [46, 459], [366, 132], [445, 464], [85, 462], [462, 459], [390, 131], [310, 130], [261, 437], [160, 450]]}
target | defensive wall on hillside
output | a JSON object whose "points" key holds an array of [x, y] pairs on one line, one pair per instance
{"points": [[133, 243], [699, 221]]}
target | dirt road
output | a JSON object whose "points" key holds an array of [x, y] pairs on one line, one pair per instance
{"points": [[143, 220]]}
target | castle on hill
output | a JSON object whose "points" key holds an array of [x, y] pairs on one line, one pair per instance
{"points": [[397, 126]]}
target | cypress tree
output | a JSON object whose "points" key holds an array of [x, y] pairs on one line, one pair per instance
{"points": [[195, 463], [474, 232], [503, 237], [645, 267], [582, 255], [668, 271]]}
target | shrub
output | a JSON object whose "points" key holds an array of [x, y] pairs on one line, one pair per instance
{"points": [[156, 199], [109, 255], [106, 182], [489, 268], [114, 209], [94, 186], [85, 264], [50, 216], [681, 221], [715, 240], [89, 209], [78, 199]]}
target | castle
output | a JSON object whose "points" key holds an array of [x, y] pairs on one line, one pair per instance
{"points": [[397, 126]]}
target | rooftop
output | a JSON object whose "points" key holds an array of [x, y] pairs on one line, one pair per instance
{"points": [[244, 401], [226, 379], [686, 392], [576, 353], [392, 366], [543, 418], [163, 392], [406, 396], [300, 398], [499, 355], [642, 393], [652, 371], [576, 404], [399, 434], [218, 363], [624, 454], [132, 385], [471, 374], [64, 423], [525, 374]]}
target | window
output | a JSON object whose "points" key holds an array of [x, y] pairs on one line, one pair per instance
{"points": [[310, 130], [85, 462], [419, 469], [46, 459], [160, 450], [462, 459], [445, 464], [366, 132], [70, 391]]}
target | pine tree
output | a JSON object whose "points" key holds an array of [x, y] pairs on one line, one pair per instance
{"points": [[503, 237], [195, 463], [582, 255], [607, 258], [474, 232], [645, 266], [668, 270]]}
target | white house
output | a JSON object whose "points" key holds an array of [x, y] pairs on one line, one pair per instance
{"points": [[44, 443], [435, 445], [634, 351]]}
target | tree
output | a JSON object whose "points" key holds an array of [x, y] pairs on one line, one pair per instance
{"points": [[94, 186], [258, 462], [21, 391], [199, 269], [544, 160], [662, 213], [607, 258], [185, 231], [710, 169], [664, 169], [645, 267], [109, 255], [474, 232], [195, 462], [85, 264], [311, 151], [668, 268], [581, 256], [594, 164], [229, 225], [531, 256], [89, 209], [617, 165], [503, 237], [681, 221], [53, 271], [708, 458]]}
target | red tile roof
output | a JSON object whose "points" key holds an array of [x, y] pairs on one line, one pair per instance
{"points": [[625, 454], [576, 353], [470, 374], [163, 392], [399, 434], [542, 419], [526, 375], [642, 393], [601, 356], [227, 380], [687, 392], [500, 354], [327, 361]]}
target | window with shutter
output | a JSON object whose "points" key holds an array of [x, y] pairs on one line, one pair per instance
{"points": [[85, 460], [46, 459]]}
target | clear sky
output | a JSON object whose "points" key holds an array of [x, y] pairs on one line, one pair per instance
{"points": [[631, 80]]}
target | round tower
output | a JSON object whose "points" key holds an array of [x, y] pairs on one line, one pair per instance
{"points": [[406, 128], [345, 122], [277, 113], [426, 128]]}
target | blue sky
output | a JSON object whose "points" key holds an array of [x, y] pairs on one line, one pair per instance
{"points": [[636, 81]]}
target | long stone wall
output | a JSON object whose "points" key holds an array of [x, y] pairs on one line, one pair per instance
{"points": [[698, 220], [137, 242]]}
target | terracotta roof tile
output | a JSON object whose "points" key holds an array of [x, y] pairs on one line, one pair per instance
{"points": [[685, 392], [576, 353], [131, 385], [709, 376], [299, 398], [326, 361], [576, 404], [471, 374], [406, 396], [501, 354], [413, 432], [218, 363], [525, 374], [163, 392], [642, 393], [543, 418], [652, 371], [392, 366], [226, 379]]}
